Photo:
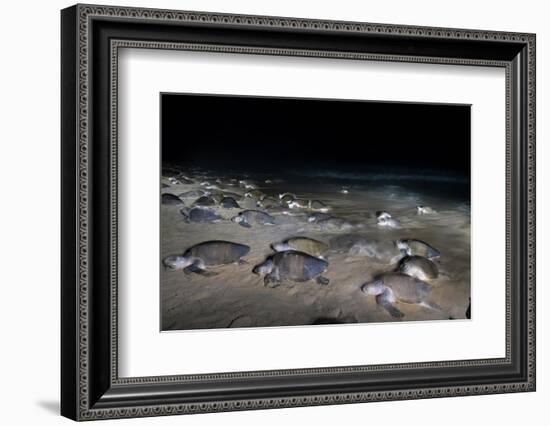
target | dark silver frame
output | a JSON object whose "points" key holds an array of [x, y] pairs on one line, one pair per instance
{"points": [[91, 38]]}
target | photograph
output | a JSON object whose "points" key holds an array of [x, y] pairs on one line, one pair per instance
{"points": [[302, 212]]}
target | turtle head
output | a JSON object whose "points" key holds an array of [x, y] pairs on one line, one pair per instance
{"points": [[263, 268], [293, 204], [382, 215], [382, 220], [373, 288], [185, 213], [433, 254], [280, 246], [237, 219], [177, 262], [403, 247]]}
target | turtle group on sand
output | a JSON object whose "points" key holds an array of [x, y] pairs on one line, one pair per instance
{"points": [[409, 267]]}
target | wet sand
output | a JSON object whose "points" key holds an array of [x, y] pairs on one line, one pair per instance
{"points": [[236, 297]]}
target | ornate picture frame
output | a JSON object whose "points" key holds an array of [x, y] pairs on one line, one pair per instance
{"points": [[90, 384]]}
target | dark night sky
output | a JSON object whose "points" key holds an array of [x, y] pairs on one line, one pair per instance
{"points": [[254, 133]]}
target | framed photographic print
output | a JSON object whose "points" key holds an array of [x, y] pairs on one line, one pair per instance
{"points": [[264, 212]]}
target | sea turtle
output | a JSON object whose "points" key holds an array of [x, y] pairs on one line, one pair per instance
{"points": [[248, 217], [193, 194], [298, 203], [343, 243], [286, 197], [232, 195], [385, 222], [209, 253], [185, 180], [424, 210], [285, 218], [382, 214], [334, 224], [200, 214], [382, 251], [317, 217], [293, 266], [419, 267], [305, 245], [318, 206], [267, 203], [413, 247], [255, 193], [171, 200], [278, 210], [205, 200], [217, 197], [396, 287], [247, 184], [229, 203], [213, 187]]}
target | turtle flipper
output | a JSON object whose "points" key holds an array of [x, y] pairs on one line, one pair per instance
{"points": [[245, 224], [197, 268], [242, 262], [392, 310], [431, 305], [205, 273], [322, 280], [272, 280], [185, 216], [386, 300]]}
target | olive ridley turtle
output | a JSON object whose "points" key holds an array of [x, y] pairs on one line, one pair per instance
{"points": [[171, 200], [229, 203], [419, 267], [293, 266], [248, 217], [200, 214], [413, 247], [209, 253], [305, 245], [396, 287], [424, 210]]}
